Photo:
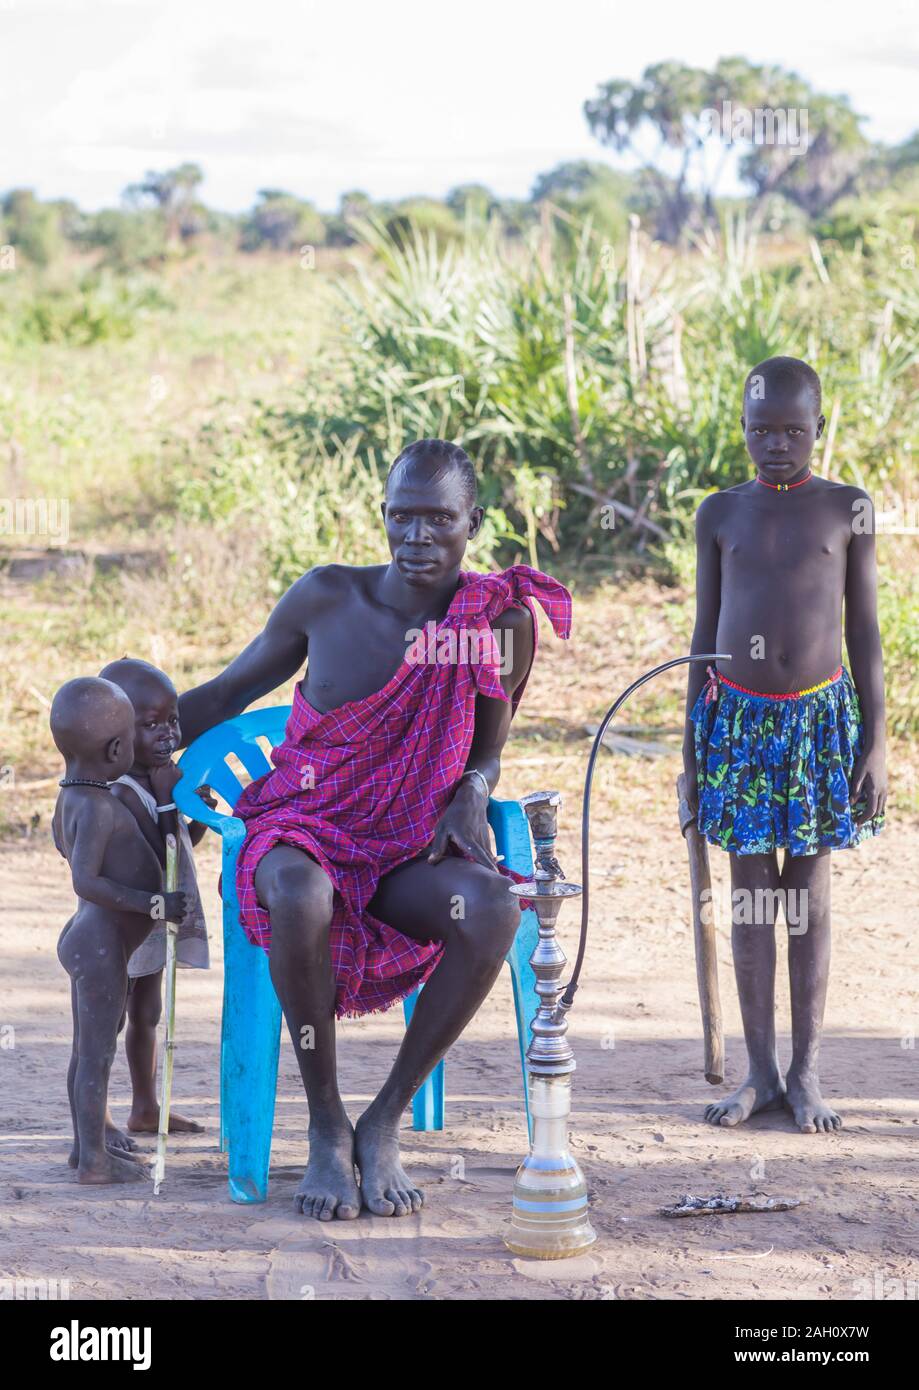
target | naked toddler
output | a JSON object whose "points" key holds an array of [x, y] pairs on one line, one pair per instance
{"points": [[118, 882]]}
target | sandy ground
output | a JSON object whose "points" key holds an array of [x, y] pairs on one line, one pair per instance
{"points": [[636, 1130], [639, 1091]]}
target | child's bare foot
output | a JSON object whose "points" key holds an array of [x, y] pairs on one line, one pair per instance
{"points": [[329, 1188], [112, 1167], [73, 1158], [811, 1112], [116, 1138], [385, 1187], [148, 1122], [756, 1093]]}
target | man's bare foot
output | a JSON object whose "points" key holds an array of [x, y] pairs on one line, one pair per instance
{"points": [[385, 1187], [112, 1167], [148, 1122], [756, 1093], [811, 1112], [329, 1188]]}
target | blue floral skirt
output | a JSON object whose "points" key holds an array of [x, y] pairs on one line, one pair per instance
{"points": [[774, 773]]}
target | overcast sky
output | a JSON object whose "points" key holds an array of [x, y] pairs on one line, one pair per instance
{"points": [[392, 96]]}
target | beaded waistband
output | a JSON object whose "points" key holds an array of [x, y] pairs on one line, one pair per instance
{"points": [[716, 676]]}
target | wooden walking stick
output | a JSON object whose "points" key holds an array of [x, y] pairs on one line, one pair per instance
{"points": [[172, 934], [703, 925]]}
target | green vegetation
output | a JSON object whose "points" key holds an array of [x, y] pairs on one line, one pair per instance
{"points": [[228, 392]]}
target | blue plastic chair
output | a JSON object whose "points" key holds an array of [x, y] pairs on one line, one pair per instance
{"points": [[251, 1027]]}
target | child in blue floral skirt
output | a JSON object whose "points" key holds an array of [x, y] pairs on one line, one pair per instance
{"points": [[785, 750]]}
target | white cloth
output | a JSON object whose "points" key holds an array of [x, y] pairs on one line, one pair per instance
{"points": [[191, 946]]}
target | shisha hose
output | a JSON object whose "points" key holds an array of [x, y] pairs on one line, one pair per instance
{"points": [[567, 998], [550, 1218]]}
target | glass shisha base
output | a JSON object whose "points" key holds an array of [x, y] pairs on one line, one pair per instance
{"points": [[550, 1219]]}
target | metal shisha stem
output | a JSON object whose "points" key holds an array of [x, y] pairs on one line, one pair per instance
{"points": [[550, 1218]]}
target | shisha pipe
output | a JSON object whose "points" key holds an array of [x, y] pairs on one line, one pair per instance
{"points": [[568, 997], [550, 1219]]}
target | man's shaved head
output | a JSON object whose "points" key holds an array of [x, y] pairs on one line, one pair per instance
{"points": [[86, 714], [437, 457]]}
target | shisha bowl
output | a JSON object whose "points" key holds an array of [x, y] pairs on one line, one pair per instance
{"points": [[550, 1219]]}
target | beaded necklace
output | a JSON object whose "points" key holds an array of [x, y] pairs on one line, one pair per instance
{"points": [[786, 487]]}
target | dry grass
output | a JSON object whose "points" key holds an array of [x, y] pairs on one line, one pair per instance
{"points": [[622, 626]]}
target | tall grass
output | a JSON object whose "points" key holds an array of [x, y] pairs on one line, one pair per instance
{"points": [[620, 408]]}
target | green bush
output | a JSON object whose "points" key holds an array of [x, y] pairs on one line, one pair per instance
{"points": [[32, 227], [281, 222], [898, 613], [475, 341], [87, 311], [310, 501], [127, 240]]}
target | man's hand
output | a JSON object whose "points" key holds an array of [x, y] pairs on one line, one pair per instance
{"points": [[464, 824], [868, 785]]}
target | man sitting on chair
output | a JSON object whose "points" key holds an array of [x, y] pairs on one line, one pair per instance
{"points": [[367, 866]]}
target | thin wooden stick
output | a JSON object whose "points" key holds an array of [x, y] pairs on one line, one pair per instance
{"points": [[633, 514], [703, 926], [830, 439], [571, 389], [172, 934]]}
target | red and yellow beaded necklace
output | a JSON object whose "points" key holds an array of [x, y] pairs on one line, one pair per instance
{"points": [[786, 487]]}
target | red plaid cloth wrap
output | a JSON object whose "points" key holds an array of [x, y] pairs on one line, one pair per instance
{"points": [[362, 787]]}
